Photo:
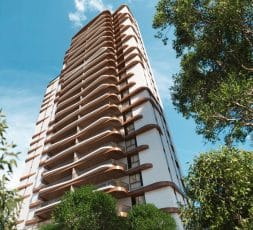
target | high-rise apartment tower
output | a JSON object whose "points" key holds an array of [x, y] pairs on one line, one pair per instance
{"points": [[101, 122]]}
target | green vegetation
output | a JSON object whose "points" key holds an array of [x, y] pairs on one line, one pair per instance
{"points": [[87, 209], [215, 84], [220, 191], [9, 200], [149, 217], [51, 226]]}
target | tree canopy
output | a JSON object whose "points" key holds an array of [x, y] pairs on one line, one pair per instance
{"points": [[215, 84], [149, 217], [9, 199], [87, 210], [219, 186]]}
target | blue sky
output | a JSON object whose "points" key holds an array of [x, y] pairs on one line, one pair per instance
{"points": [[33, 39]]}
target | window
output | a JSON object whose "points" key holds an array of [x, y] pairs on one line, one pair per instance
{"points": [[177, 164], [129, 128], [133, 161], [172, 148], [130, 144], [135, 181], [138, 200]]}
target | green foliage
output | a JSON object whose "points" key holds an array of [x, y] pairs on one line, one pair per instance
{"points": [[86, 209], [51, 226], [220, 191], [215, 84], [9, 200], [148, 217]]}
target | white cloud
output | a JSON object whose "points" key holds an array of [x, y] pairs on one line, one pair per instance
{"points": [[79, 4], [82, 7]]}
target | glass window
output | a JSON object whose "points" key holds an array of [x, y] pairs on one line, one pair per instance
{"points": [[130, 144], [129, 128], [140, 199], [135, 161], [135, 181]]}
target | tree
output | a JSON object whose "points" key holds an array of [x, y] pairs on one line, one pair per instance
{"points": [[219, 186], [86, 209], [51, 226], [9, 199], [149, 217], [215, 84]]}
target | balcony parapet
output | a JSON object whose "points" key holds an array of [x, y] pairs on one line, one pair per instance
{"points": [[86, 175], [101, 137]]}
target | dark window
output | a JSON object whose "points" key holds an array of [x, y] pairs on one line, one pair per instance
{"points": [[135, 181], [130, 144], [138, 200], [129, 128], [134, 161]]}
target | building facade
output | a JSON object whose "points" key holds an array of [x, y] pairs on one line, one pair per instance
{"points": [[101, 122]]}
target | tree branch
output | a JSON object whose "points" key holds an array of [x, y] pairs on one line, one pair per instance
{"points": [[232, 120]]}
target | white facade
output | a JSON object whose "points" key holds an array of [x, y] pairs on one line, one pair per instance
{"points": [[129, 114]]}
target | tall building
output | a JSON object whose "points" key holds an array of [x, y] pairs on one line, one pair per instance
{"points": [[101, 122]]}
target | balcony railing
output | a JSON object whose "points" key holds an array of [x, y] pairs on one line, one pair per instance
{"points": [[123, 208], [69, 177], [113, 162], [46, 203], [116, 183]]}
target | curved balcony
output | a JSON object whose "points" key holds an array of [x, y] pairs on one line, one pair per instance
{"points": [[74, 51], [116, 188], [45, 209], [98, 126], [87, 81], [88, 61], [77, 75], [105, 110], [91, 35], [94, 175], [122, 210], [99, 91], [84, 57], [88, 37], [87, 94], [85, 146], [102, 17], [93, 47], [104, 71], [99, 155], [90, 45], [94, 22], [103, 64], [97, 45], [95, 40], [107, 98]]}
